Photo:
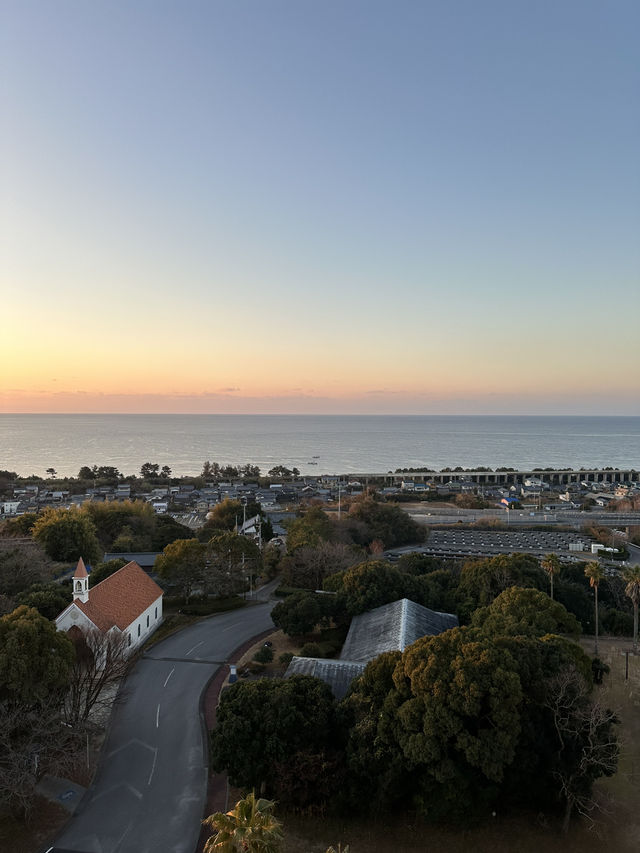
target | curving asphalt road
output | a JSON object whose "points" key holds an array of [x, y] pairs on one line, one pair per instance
{"points": [[150, 789]]}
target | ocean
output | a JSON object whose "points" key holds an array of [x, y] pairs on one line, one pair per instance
{"points": [[326, 444]]}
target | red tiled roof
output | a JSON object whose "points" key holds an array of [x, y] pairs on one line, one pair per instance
{"points": [[81, 569], [120, 598]]}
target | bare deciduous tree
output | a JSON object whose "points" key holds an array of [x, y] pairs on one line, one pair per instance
{"points": [[101, 662], [33, 740], [587, 744]]}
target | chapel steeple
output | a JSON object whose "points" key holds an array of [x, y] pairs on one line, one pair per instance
{"points": [[81, 582]]}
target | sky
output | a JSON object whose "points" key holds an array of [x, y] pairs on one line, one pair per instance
{"points": [[303, 207]]}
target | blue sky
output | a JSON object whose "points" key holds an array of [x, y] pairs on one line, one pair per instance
{"points": [[296, 206]]}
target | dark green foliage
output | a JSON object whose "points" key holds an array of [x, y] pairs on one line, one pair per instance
{"points": [[285, 658], [182, 565], [264, 655], [616, 622], [311, 529], [167, 530], [226, 516], [66, 535], [374, 583], [439, 590], [22, 566], [298, 614], [35, 659], [123, 526], [387, 523], [575, 597], [463, 721], [482, 580], [265, 723], [22, 525], [311, 650], [103, 570], [49, 599], [528, 612], [419, 564]]}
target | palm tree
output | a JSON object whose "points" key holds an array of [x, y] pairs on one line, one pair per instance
{"points": [[632, 577], [595, 574], [551, 564], [250, 827]]}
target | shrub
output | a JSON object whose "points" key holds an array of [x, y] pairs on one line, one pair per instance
{"points": [[264, 655], [285, 658], [311, 650]]}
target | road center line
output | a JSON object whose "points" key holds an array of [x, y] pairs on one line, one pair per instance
{"points": [[169, 676], [153, 766], [194, 647], [158, 716]]}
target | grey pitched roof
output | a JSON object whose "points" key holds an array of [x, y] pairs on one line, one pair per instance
{"points": [[338, 674], [392, 627], [389, 628]]}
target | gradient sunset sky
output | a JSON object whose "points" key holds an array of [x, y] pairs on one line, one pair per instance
{"points": [[329, 206]]}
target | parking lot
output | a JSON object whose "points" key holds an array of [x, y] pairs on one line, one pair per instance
{"points": [[484, 543]]}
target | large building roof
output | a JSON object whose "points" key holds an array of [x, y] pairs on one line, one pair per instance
{"points": [[338, 674], [119, 599], [392, 627], [389, 628]]}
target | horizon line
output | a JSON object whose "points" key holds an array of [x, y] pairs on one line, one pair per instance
{"points": [[338, 414]]}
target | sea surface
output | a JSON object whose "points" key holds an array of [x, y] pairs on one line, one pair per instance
{"points": [[29, 444]]}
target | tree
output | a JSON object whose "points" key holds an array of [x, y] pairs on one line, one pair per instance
{"points": [[250, 827], [51, 473], [455, 721], [298, 614], [482, 580], [310, 530], [106, 473], [232, 563], [551, 564], [587, 746], [101, 571], [280, 472], [386, 522], [166, 530], [67, 534], [263, 723], [376, 582], [100, 661], [35, 658], [183, 564], [595, 573], [149, 470], [165, 472], [308, 566], [33, 741], [21, 567], [130, 524], [226, 515], [49, 599], [86, 473], [527, 612], [249, 470], [631, 576]]}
